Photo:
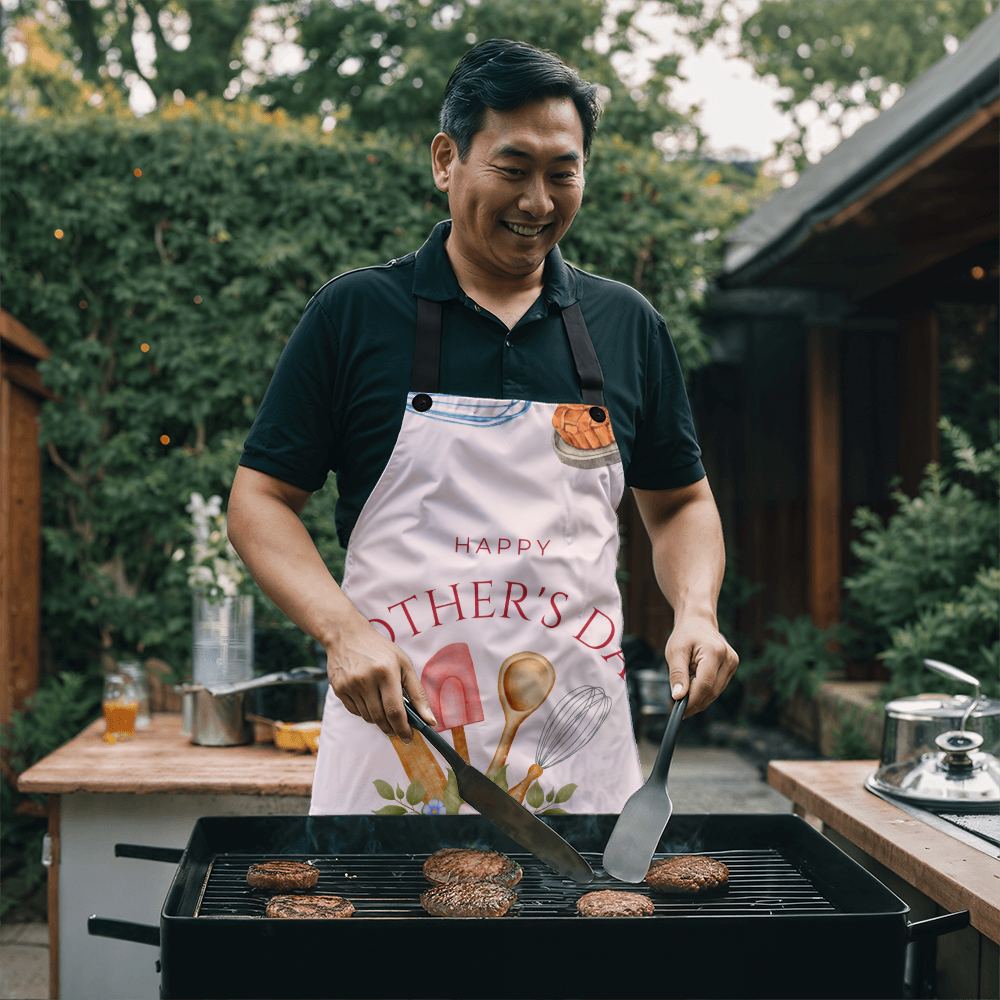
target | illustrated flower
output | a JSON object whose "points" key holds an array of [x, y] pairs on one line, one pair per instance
{"points": [[434, 808]]}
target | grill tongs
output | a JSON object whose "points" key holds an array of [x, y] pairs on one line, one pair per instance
{"points": [[506, 812]]}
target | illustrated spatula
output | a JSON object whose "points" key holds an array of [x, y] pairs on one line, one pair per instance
{"points": [[637, 833]]}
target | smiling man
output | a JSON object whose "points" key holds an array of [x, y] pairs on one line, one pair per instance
{"points": [[484, 405]]}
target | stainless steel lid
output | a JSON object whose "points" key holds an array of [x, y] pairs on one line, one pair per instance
{"points": [[960, 775], [929, 780], [941, 706]]}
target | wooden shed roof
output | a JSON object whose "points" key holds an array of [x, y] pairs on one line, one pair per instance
{"points": [[913, 187]]}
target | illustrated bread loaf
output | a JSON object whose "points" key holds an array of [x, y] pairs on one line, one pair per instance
{"points": [[582, 426]]}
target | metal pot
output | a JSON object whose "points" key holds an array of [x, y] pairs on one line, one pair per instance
{"points": [[215, 715], [939, 751], [215, 721], [913, 724]]}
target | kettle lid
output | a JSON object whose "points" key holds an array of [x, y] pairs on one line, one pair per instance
{"points": [[940, 706]]}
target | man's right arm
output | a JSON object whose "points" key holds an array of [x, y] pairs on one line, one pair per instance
{"points": [[367, 671]]}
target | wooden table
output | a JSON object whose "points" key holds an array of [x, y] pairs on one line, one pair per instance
{"points": [[162, 761], [905, 852], [149, 790]]}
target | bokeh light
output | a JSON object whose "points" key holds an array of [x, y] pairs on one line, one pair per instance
{"points": [[137, 172], [978, 273], [164, 439], [197, 300], [59, 234], [144, 348]]}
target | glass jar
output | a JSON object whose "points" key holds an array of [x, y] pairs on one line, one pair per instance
{"points": [[121, 704], [134, 672]]}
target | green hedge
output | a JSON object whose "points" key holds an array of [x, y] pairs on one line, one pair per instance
{"points": [[208, 257]]}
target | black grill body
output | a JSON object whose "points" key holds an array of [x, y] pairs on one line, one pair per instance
{"points": [[800, 918]]}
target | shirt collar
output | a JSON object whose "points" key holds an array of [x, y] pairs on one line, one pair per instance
{"points": [[434, 279]]}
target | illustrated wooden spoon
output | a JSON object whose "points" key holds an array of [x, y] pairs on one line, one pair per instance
{"points": [[524, 683]]}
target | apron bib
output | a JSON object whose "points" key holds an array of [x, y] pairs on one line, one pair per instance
{"points": [[487, 552]]}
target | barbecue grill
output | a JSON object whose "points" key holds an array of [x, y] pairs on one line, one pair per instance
{"points": [[800, 918]]}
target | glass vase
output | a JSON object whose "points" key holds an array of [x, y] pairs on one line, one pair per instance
{"points": [[222, 639]]}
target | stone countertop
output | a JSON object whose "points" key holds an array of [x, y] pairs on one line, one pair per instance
{"points": [[953, 874], [162, 761]]}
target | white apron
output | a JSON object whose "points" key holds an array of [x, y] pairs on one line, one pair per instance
{"points": [[487, 552]]}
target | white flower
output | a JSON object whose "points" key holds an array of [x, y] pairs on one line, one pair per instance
{"points": [[214, 562], [178, 555]]}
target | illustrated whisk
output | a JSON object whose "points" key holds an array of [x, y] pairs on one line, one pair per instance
{"points": [[571, 725]]}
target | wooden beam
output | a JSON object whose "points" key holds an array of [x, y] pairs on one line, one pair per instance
{"points": [[823, 522], [27, 377], [919, 398], [15, 333], [20, 546], [980, 119]]}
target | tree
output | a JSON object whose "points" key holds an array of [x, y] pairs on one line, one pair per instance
{"points": [[192, 45], [386, 65], [843, 61], [367, 65]]}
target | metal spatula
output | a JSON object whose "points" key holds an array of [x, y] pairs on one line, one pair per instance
{"points": [[637, 833]]}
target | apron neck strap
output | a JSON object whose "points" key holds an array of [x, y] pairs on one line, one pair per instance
{"points": [[427, 352], [588, 368]]}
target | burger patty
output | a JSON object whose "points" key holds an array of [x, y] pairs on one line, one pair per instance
{"points": [[466, 864], [282, 875], [612, 903], [309, 906], [688, 874], [468, 899]]}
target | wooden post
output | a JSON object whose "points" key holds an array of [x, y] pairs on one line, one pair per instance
{"points": [[919, 398], [21, 394], [823, 526]]}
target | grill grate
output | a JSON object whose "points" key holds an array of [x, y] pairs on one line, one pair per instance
{"points": [[761, 882]]}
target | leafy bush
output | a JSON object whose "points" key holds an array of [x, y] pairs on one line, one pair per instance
{"points": [[55, 713], [928, 581], [800, 661], [166, 261], [851, 743], [934, 544], [962, 632]]}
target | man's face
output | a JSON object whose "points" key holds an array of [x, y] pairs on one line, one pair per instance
{"points": [[517, 191]]}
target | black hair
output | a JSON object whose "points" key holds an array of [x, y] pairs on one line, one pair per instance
{"points": [[503, 75]]}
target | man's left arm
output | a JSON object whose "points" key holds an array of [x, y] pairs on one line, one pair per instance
{"points": [[689, 559]]}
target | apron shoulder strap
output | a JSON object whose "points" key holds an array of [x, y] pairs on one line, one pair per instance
{"points": [[588, 368], [427, 349]]}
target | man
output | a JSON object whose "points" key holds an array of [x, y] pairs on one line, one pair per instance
{"points": [[484, 405]]}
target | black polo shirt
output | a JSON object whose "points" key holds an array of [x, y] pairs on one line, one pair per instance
{"points": [[338, 393]]}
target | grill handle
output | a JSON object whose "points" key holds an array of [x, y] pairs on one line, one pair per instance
{"points": [[935, 926], [172, 855], [123, 930]]}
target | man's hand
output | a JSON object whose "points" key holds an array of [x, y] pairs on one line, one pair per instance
{"points": [[697, 652], [689, 559], [369, 673]]}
